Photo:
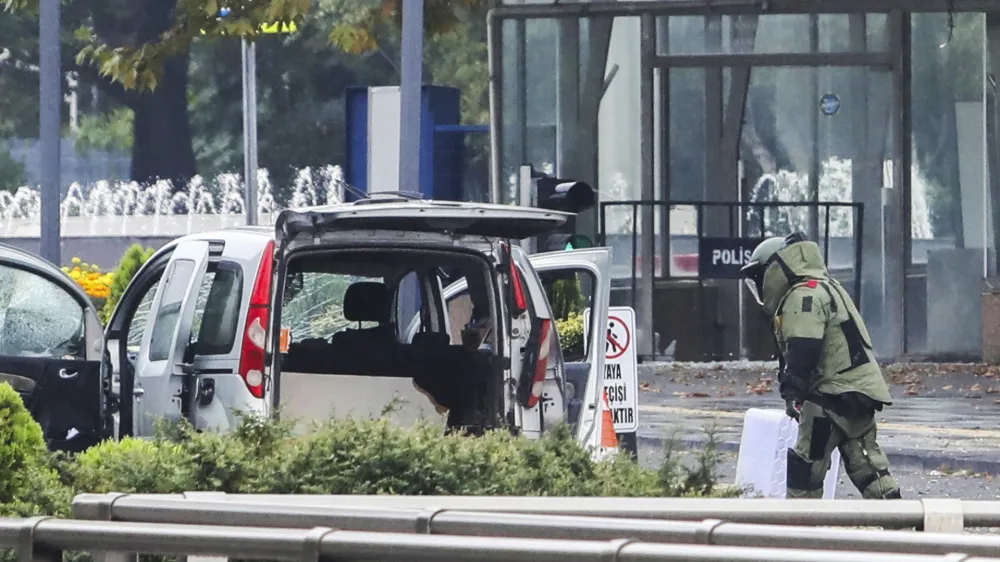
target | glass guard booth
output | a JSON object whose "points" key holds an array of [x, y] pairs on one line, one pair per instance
{"points": [[867, 124]]}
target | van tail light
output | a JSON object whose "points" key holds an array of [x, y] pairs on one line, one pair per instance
{"points": [[544, 343], [519, 300], [253, 357]]}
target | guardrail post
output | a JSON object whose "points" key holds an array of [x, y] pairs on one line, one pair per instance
{"points": [[27, 550], [424, 520], [704, 533], [95, 507], [943, 515], [220, 496], [101, 508], [313, 543], [615, 548]]}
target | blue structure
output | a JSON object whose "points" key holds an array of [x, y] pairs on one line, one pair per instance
{"points": [[442, 144]]}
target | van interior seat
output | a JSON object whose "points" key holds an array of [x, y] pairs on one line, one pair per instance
{"points": [[438, 366], [365, 350], [366, 301]]}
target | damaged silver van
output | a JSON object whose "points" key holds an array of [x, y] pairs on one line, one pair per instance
{"points": [[390, 305]]}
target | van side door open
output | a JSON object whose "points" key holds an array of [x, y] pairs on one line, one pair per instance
{"points": [[162, 374], [584, 281]]}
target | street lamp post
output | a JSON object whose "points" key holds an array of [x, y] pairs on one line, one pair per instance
{"points": [[410, 86], [50, 105], [248, 50]]}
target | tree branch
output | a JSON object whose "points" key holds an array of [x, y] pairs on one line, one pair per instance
{"points": [[128, 98]]}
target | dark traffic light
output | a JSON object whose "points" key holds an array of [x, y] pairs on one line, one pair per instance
{"points": [[569, 196]]}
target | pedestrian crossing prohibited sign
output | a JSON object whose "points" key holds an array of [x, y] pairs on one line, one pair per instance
{"points": [[621, 374]]}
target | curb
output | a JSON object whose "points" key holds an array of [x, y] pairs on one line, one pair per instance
{"points": [[906, 458]]}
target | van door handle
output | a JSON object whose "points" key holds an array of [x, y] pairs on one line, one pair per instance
{"points": [[64, 374], [138, 392]]}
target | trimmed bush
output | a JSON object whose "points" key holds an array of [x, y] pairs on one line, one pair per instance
{"points": [[346, 456], [28, 483], [571, 335], [133, 258], [566, 297], [355, 456]]}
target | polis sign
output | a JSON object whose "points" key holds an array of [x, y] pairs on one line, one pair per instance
{"points": [[722, 258]]}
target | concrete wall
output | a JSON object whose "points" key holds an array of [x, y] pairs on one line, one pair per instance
{"points": [[103, 240], [104, 251]]}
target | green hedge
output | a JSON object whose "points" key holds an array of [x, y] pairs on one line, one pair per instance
{"points": [[28, 483], [354, 456], [571, 336], [346, 456], [133, 258]]}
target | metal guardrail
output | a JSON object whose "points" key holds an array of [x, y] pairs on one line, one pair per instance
{"points": [[928, 514], [45, 540], [498, 524]]}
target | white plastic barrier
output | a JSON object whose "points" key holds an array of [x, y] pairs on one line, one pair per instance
{"points": [[767, 435]]}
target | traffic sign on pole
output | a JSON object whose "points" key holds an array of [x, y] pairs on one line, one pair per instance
{"points": [[621, 371]]}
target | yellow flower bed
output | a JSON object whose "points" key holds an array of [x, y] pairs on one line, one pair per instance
{"points": [[97, 284]]}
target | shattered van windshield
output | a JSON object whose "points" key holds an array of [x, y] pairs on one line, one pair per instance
{"points": [[37, 317]]}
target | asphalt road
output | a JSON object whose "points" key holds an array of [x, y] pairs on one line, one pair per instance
{"points": [[914, 483], [942, 433]]}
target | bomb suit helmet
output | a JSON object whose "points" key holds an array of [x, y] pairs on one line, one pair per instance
{"points": [[753, 272]]}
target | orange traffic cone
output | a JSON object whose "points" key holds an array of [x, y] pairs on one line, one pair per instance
{"points": [[609, 439]]}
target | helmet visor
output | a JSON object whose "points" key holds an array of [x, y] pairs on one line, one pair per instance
{"points": [[754, 291], [753, 278]]}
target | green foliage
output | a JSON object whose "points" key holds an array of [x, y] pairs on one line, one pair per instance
{"points": [[133, 465], [11, 171], [350, 456], [676, 479], [570, 331], [355, 456], [23, 446], [110, 132], [566, 297], [347, 456], [567, 300], [140, 66], [28, 485], [369, 22], [133, 258]]}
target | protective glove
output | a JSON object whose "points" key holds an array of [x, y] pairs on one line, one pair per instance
{"points": [[793, 388], [793, 409]]}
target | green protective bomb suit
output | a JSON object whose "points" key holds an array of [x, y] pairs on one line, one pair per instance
{"points": [[828, 377]]}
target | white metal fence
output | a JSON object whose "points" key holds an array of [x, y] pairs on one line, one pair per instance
{"points": [[240, 511], [938, 515], [115, 527], [45, 540]]}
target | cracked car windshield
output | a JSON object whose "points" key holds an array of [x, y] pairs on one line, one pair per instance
{"points": [[37, 317]]}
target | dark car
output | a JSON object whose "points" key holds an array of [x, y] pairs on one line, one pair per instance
{"points": [[52, 351]]}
